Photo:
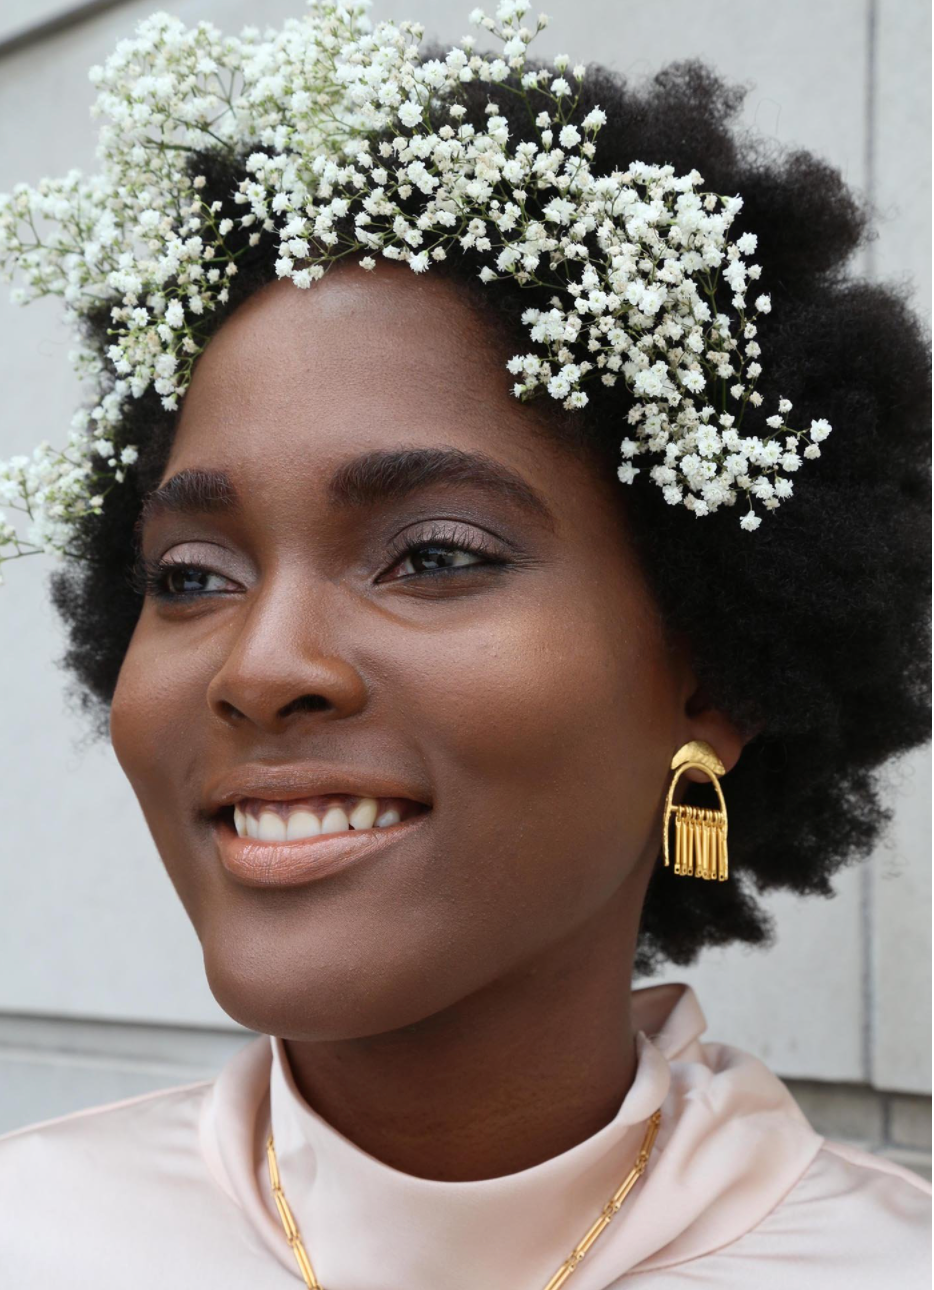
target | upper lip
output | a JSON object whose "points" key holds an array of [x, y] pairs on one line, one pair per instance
{"points": [[289, 781]]}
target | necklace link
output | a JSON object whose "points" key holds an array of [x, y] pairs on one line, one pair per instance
{"points": [[597, 1228], [287, 1218]]}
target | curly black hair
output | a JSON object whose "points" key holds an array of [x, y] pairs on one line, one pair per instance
{"points": [[812, 632]]}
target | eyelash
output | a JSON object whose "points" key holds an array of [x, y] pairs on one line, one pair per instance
{"points": [[150, 577], [456, 538]]}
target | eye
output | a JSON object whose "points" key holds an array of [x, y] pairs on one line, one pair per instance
{"points": [[176, 580], [434, 557], [442, 551]]}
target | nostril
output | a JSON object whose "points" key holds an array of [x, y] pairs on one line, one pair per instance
{"points": [[306, 703]]}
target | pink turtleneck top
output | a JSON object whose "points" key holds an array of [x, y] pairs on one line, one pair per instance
{"points": [[170, 1190]]}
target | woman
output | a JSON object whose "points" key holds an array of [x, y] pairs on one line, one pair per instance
{"points": [[419, 700]]}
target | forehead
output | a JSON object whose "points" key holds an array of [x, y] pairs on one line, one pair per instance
{"points": [[299, 384], [357, 361]]}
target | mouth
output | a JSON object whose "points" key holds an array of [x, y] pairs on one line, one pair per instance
{"points": [[274, 821], [266, 842]]}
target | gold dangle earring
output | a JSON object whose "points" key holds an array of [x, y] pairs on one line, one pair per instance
{"points": [[700, 835]]}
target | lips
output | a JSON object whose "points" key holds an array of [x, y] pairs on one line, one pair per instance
{"points": [[296, 781], [285, 825], [292, 864]]}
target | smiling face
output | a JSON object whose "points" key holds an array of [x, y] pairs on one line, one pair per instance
{"points": [[403, 594]]}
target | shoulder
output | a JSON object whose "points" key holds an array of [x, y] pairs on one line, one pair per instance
{"points": [[138, 1189], [130, 1134], [88, 1191], [107, 1152], [852, 1219], [855, 1185]]}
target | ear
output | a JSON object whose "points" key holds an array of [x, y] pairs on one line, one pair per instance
{"points": [[701, 720]]}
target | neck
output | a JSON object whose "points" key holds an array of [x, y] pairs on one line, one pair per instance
{"points": [[512, 1075]]}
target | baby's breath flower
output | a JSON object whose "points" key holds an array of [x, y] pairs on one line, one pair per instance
{"points": [[410, 114], [365, 151]]}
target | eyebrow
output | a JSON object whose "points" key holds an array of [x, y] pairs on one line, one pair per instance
{"points": [[190, 492], [388, 474], [383, 475]]}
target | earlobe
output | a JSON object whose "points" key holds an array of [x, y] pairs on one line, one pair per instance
{"points": [[712, 726]]}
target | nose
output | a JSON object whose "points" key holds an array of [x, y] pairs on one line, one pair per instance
{"points": [[282, 663]]}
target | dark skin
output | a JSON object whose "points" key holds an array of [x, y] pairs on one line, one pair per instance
{"points": [[460, 1009]]}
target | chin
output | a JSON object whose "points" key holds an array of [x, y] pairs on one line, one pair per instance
{"points": [[314, 998]]}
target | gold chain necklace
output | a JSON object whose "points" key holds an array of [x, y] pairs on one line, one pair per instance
{"points": [[293, 1236]]}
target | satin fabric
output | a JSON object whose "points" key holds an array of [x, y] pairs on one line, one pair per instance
{"points": [[171, 1190]]}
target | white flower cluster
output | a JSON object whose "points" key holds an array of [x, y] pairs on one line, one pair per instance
{"points": [[357, 146]]}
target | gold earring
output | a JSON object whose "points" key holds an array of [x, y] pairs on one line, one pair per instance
{"points": [[700, 835]]}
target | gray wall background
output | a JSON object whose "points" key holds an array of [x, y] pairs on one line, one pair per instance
{"points": [[101, 986]]}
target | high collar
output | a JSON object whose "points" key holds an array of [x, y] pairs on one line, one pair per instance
{"points": [[732, 1142]]}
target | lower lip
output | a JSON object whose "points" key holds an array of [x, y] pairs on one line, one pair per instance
{"points": [[292, 864]]}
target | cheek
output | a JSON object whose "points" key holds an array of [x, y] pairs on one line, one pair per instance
{"points": [[154, 718], [554, 730]]}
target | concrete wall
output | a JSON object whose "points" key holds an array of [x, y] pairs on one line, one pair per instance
{"points": [[101, 988]]}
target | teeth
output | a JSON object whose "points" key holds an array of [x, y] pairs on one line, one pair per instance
{"points": [[364, 813], [302, 824], [271, 827], [335, 821]]}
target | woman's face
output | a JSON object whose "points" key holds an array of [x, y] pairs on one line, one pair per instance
{"points": [[508, 681]]}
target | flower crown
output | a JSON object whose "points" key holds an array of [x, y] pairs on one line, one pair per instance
{"points": [[356, 146]]}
